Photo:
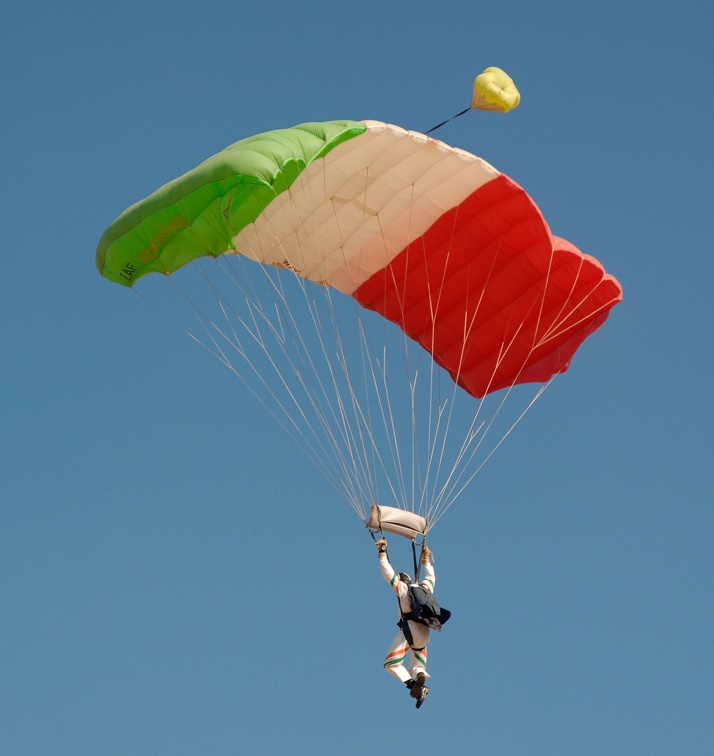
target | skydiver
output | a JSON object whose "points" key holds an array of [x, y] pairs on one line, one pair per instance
{"points": [[412, 636]]}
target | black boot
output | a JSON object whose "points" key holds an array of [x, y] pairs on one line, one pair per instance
{"points": [[423, 693], [415, 686]]}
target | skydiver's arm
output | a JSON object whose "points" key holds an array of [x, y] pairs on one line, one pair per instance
{"points": [[429, 580], [386, 568], [388, 573]]}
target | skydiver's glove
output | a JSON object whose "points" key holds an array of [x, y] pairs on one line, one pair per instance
{"points": [[425, 554], [381, 547]]}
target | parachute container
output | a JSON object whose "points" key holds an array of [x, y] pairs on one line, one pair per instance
{"points": [[397, 521]]}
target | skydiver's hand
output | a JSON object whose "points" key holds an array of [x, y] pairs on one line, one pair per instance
{"points": [[425, 554], [381, 547]]}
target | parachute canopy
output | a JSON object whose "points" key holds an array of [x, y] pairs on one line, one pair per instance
{"points": [[429, 236], [495, 91]]}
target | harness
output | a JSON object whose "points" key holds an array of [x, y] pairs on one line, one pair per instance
{"points": [[403, 625]]}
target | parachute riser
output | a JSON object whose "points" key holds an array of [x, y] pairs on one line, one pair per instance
{"points": [[416, 562]]}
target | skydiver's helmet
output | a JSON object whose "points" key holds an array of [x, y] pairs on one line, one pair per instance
{"points": [[405, 578]]}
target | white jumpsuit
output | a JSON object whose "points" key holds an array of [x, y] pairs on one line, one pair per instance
{"points": [[393, 662]]}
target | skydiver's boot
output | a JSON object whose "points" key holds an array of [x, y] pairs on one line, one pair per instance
{"points": [[423, 693], [415, 685]]}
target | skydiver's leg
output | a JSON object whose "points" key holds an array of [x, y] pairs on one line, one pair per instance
{"points": [[420, 634], [419, 659], [394, 661]]}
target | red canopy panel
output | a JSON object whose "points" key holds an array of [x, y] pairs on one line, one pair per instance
{"points": [[491, 294]]}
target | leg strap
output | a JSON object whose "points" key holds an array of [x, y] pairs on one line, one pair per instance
{"points": [[404, 627]]}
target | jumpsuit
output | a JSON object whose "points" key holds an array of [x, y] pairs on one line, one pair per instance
{"points": [[394, 661]]}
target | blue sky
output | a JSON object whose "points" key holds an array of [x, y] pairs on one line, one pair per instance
{"points": [[175, 578]]}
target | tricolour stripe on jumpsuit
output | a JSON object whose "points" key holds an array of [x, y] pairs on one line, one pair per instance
{"points": [[399, 648]]}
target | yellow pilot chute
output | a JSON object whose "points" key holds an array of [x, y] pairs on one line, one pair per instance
{"points": [[495, 91]]}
